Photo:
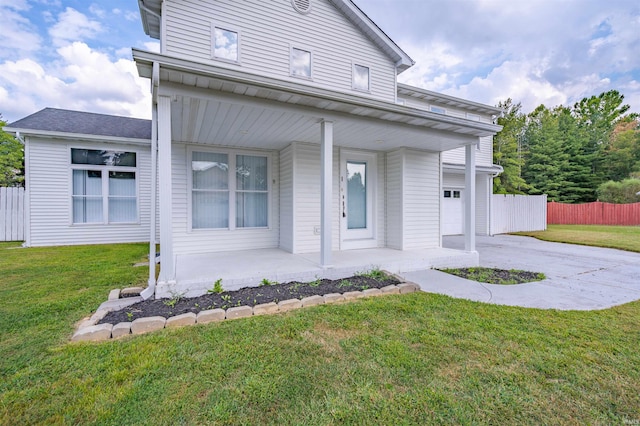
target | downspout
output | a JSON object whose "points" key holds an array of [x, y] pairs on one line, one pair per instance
{"points": [[151, 287]]}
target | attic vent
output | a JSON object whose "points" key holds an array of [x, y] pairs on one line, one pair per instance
{"points": [[302, 6]]}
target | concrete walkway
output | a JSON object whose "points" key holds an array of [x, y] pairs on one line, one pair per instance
{"points": [[578, 277]]}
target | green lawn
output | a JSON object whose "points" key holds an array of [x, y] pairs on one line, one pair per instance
{"points": [[410, 359], [620, 237]]}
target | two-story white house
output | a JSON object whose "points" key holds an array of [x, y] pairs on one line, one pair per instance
{"points": [[280, 143]]}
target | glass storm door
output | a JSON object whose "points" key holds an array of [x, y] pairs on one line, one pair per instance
{"points": [[357, 189]]}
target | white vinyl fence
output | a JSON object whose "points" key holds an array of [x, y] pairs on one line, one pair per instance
{"points": [[11, 214], [514, 213]]}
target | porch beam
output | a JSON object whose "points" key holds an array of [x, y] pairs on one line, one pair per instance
{"points": [[167, 267], [326, 160], [470, 198]]}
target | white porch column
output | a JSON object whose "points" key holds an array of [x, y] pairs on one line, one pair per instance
{"points": [[326, 160], [470, 198], [167, 267], [151, 285]]}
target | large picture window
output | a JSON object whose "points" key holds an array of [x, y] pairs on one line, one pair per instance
{"points": [[104, 186], [229, 190]]}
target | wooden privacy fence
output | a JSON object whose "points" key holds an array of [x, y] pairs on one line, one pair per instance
{"points": [[514, 213], [11, 214], [596, 213]]}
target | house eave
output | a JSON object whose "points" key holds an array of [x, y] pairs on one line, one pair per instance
{"points": [[375, 33], [75, 136], [494, 169], [429, 96], [324, 99]]}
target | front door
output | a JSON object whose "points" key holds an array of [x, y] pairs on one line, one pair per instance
{"points": [[358, 177]]}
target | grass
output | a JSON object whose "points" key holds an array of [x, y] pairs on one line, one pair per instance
{"points": [[496, 276], [618, 237], [410, 359]]}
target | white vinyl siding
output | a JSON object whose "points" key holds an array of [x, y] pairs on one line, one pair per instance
{"points": [[394, 173], [187, 241], [413, 205], [268, 29], [50, 190], [421, 202], [287, 201], [484, 155]]}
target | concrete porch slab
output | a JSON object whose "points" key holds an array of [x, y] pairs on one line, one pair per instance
{"points": [[196, 273]]}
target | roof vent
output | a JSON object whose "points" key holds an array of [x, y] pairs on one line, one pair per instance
{"points": [[302, 6]]}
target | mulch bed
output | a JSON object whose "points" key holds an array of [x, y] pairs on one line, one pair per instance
{"points": [[248, 296]]}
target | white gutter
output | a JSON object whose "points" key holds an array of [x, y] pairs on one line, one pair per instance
{"points": [[77, 136], [151, 285]]}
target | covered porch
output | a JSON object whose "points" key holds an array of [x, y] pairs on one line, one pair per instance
{"points": [[196, 273], [200, 107]]}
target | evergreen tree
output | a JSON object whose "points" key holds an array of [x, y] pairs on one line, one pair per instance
{"points": [[507, 150], [546, 161]]}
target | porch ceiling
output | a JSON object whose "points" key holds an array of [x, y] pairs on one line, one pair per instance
{"points": [[256, 125], [212, 105]]}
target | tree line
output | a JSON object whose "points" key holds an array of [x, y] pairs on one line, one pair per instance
{"points": [[573, 154]]}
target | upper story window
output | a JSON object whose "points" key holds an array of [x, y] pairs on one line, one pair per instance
{"points": [[437, 109], [361, 77], [474, 117], [226, 44], [104, 186], [300, 63]]}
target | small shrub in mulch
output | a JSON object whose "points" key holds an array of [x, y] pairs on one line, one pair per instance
{"points": [[496, 276], [248, 296]]}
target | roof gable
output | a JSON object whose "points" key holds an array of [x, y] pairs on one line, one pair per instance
{"points": [[150, 11], [85, 123]]}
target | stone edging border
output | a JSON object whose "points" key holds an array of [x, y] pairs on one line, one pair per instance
{"points": [[89, 330]]}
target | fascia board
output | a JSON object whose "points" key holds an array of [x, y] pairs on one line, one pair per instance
{"points": [[76, 136]]}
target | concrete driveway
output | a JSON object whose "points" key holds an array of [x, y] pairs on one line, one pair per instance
{"points": [[578, 277]]}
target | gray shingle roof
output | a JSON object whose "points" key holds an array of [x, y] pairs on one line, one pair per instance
{"points": [[61, 120]]}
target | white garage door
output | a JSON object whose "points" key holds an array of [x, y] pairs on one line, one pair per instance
{"points": [[452, 211]]}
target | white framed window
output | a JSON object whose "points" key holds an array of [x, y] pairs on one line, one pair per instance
{"points": [[437, 109], [229, 189], [361, 78], [300, 62], [103, 186], [225, 43], [473, 117]]}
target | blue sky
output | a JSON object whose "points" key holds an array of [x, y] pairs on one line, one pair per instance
{"points": [[76, 54]]}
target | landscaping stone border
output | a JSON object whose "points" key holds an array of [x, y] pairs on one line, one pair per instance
{"points": [[87, 330]]}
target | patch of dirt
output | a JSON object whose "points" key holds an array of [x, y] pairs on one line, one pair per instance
{"points": [[248, 296], [496, 276]]}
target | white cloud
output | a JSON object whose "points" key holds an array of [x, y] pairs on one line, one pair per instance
{"points": [[131, 16], [73, 26], [83, 79], [97, 10], [18, 36], [152, 46]]}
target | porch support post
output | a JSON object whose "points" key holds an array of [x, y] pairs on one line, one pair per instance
{"points": [[167, 267], [151, 285], [326, 160], [470, 198]]}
